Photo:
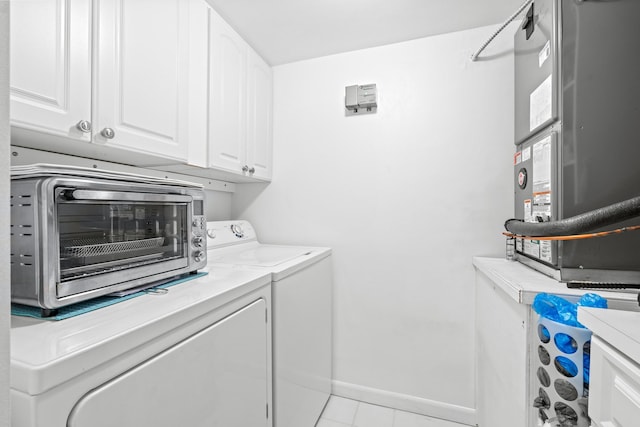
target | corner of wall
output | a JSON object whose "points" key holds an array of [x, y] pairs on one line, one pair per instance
{"points": [[4, 215]]}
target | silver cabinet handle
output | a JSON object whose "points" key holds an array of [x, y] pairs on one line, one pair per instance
{"points": [[84, 126], [108, 133]]}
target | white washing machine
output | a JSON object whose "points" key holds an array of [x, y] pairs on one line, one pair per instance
{"points": [[197, 355], [302, 282]]}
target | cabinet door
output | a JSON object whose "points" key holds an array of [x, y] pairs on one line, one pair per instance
{"points": [[141, 76], [50, 65], [217, 377], [199, 22], [614, 398], [227, 131], [259, 116], [497, 375]]}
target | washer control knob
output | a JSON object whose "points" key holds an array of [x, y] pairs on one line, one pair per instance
{"points": [[198, 256], [237, 230], [197, 241], [211, 233]]}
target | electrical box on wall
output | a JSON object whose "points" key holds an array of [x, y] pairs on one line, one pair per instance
{"points": [[360, 99]]}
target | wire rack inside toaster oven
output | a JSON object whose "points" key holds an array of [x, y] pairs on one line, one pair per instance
{"points": [[94, 247]]}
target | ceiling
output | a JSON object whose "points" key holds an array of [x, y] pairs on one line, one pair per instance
{"points": [[285, 31]]}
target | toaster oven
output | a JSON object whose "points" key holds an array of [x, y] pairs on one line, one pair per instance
{"points": [[79, 233]]}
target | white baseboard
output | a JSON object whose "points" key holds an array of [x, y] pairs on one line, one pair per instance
{"points": [[404, 402]]}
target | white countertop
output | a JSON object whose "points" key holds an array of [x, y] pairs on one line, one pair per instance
{"points": [[523, 283], [45, 353], [619, 328]]}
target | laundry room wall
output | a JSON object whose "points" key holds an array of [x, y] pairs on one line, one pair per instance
{"points": [[217, 205], [405, 197]]}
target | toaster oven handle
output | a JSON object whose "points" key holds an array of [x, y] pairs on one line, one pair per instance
{"points": [[124, 196]]}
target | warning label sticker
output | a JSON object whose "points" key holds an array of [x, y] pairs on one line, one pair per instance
{"points": [[542, 166], [532, 247], [540, 102], [527, 210]]}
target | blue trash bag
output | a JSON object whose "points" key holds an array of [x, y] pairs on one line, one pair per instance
{"points": [[562, 311]]}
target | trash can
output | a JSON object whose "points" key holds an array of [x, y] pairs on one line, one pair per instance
{"points": [[561, 366]]}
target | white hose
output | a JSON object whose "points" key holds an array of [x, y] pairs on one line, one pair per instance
{"points": [[499, 30]]}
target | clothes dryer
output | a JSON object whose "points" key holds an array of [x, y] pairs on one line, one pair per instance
{"points": [[196, 355], [301, 315]]}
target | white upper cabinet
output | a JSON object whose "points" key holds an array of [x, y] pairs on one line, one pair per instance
{"points": [[142, 71], [259, 147], [241, 84], [139, 77], [158, 83], [228, 89], [51, 66]]}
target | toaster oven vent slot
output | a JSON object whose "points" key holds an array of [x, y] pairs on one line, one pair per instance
{"points": [[22, 260], [22, 202], [24, 230]]}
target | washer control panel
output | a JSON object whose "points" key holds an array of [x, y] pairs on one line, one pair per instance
{"points": [[225, 233]]}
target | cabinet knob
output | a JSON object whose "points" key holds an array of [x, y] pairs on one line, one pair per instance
{"points": [[108, 133], [84, 126], [245, 168], [252, 170]]}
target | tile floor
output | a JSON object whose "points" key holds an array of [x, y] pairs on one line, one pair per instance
{"points": [[341, 412]]}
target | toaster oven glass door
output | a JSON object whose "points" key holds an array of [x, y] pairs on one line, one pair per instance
{"points": [[100, 234]]}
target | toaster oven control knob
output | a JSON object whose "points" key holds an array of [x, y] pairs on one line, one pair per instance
{"points": [[198, 241], [198, 256], [237, 230]]}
